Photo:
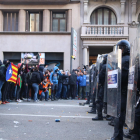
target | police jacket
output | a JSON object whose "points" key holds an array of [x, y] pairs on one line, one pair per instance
{"points": [[102, 75], [125, 72], [36, 77]]}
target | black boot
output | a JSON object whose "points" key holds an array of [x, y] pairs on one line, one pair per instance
{"points": [[97, 118], [128, 135], [108, 118], [111, 122], [93, 111]]}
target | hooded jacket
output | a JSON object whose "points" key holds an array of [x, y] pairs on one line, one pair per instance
{"points": [[82, 80], [36, 77], [73, 79], [41, 68], [54, 75]]}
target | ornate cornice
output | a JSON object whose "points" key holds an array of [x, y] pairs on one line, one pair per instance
{"points": [[133, 24]]}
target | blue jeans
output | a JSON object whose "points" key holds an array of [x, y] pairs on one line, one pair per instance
{"points": [[36, 88], [65, 89], [1, 84], [59, 89], [45, 95], [54, 91]]}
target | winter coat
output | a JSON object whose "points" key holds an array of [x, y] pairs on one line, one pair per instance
{"points": [[82, 80], [41, 68], [73, 79], [54, 76], [28, 78], [36, 77], [65, 79], [2, 73]]}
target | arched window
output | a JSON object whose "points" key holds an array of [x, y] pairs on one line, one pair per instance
{"points": [[103, 16]]}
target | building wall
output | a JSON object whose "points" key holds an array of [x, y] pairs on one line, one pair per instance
{"points": [[41, 42], [126, 12]]}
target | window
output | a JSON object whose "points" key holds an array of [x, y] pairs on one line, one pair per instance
{"points": [[34, 22], [10, 22], [59, 22], [103, 16]]}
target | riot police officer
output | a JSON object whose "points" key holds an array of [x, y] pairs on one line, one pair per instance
{"points": [[124, 45], [99, 102]]}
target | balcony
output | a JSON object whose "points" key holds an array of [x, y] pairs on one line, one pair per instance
{"points": [[104, 31], [34, 1]]}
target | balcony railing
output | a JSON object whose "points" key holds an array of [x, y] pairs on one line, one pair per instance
{"points": [[104, 30]]}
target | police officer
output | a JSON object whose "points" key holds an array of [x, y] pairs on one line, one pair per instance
{"points": [[124, 45], [135, 133], [99, 103]]}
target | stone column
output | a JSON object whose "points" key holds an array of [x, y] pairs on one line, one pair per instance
{"points": [[1, 21], [46, 20], [69, 23], [133, 31], [22, 20], [134, 2], [85, 11], [122, 10], [85, 55]]}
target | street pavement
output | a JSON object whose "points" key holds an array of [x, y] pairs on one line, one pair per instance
{"points": [[36, 121]]}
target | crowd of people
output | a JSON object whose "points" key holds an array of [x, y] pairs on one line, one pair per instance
{"points": [[38, 83]]}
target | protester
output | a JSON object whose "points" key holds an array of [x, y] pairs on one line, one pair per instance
{"points": [[36, 80], [82, 84], [43, 90]]}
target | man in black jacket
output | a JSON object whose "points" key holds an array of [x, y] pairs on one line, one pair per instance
{"points": [[73, 82], [41, 69], [36, 80], [6, 85], [2, 77]]}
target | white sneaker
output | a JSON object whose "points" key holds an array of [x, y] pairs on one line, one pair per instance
{"points": [[19, 101]]}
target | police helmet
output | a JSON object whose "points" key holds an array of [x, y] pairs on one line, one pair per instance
{"points": [[124, 45]]}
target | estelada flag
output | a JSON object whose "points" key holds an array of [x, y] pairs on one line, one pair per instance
{"points": [[11, 73]]}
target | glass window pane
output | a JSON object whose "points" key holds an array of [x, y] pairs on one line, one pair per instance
{"points": [[16, 22], [55, 24], [62, 25], [5, 22], [93, 18], [106, 16], [59, 15], [32, 22], [113, 19], [53, 15], [13, 21], [9, 20], [37, 22], [99, 16]]}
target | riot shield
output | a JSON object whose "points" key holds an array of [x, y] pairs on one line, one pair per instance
{"points": [[98, 68], [132, 85], [114, 83], [88, 81], [105, 90]]}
